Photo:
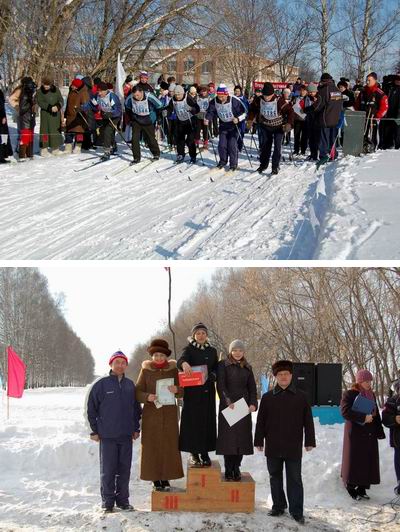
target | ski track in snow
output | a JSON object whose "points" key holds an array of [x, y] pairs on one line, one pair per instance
{"points": [[50, 480]]}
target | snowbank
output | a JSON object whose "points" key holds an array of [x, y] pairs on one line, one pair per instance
{"points": [[50, 479]]}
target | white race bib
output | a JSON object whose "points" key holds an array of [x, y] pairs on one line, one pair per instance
{"points": [[182, 110], [224, 111], [140, 108], [269, 110]]}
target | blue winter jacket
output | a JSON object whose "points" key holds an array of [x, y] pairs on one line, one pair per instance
{"points": [[112, 409], [109, 104], [238, 109]]}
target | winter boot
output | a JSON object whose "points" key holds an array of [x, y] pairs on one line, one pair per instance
{"points": [[275, 512], [352, 491], [233, 168], [228, 475], [180, 159], [221, 165], [397, 489], [22, 153], [166, 485], [261, 169], [44, 152], [194, 460], [237, 476], [56, 152], [155, 158], [78, 148], [192, 160], [157, 486], [126, 507], [275, 171], [105, 156], [322, 161], [205, 460], [361, 492], [68, 148]]}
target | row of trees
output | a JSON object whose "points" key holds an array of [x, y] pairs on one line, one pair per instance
{"points": [[346, 315], [33, 323], [313, 34]]}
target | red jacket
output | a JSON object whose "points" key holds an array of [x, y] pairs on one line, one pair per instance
{"points": [[372, 96]]}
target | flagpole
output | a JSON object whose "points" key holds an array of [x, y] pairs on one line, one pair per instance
{"points": [[8, 398], [169, 308]]}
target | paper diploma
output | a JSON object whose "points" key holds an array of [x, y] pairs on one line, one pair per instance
{"points": [[233, 415], [164, 396]]}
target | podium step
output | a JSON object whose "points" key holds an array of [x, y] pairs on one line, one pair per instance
{"points": [[208, 491]]}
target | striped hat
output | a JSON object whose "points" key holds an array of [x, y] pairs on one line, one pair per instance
{"points": [[222, 89], [117, 354]]}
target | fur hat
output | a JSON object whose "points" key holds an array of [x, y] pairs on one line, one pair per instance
{"points": [[199, 326], [117, 354], [363, 375], [47, 80], [325, 76], [159, 346], [282, 365], [236, 344], [268, 89]]}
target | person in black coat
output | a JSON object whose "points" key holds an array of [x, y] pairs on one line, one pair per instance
{"points": [[393, 127], [360, 461], [391, 419], [26, 118], [235, 380], [198, 431], [284, 416], [5, 144]]}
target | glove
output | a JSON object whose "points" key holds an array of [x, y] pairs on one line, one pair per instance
{"points": [[286, 128], [94, 101], [106, 115], [164, 113]]}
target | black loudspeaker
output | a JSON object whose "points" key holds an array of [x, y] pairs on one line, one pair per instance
{"points": [[304, 379], [329, 384]]}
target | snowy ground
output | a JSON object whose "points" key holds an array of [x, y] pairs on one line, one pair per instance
{"points": [[50, 211], [49, 480]]}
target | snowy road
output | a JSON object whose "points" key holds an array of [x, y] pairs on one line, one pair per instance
{"points": [[50, 480]]}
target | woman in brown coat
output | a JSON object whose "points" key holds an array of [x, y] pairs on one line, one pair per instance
{"points": [[235, 380], [75, 119], [161, 459], [360, 461]]}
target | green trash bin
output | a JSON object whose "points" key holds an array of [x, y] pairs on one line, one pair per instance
{"points": [[353, 134]]}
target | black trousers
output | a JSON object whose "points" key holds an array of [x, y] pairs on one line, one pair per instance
{"points": [[185, 135], [232, 461], [300, 136], [294, 485], [107, 132], [149, 135], [314, 134], [266, 139], [200, 128]]}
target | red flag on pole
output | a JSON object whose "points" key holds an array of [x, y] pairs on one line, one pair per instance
{"points": [[16, 374]]}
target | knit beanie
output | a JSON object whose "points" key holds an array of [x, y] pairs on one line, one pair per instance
{"points": [[363, 375], [77, 83], [236, 344], [179, 90], [222, 90], [117, 354], [199, 326], [159, 346], [268, 89], [312, 87]]}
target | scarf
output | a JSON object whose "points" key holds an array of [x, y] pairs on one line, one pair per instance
{"points": [[160, 365]]}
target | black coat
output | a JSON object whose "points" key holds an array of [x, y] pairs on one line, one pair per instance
{"points": [[360, 460], [5, 148], [233, 383], [26, 114], [198, 431], [283, 417], [389, 413], [329, 105], [394, 103]]}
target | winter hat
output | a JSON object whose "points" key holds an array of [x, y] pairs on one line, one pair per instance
{"points": [[373, 75], [286, 91], [179, 90], [77, 83], [159, 346], [47, 80], [102, 86], [199, 326], [363, 375], [312, 87], [129, 78], [164, 86], [236, 344], [326, 76], [171, 88], [144, 74], [79, 76], [343, 83], [117, 354], [222, 89], [282, 365], [96, 81], [268, 89]]}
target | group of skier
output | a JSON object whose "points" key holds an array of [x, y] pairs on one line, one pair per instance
{"points": [[191, 118]]}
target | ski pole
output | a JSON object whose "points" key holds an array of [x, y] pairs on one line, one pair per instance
{"points": [[253, 139], [120, 133], [212, 144], [244, 146], [82, 116], [201, 156]]}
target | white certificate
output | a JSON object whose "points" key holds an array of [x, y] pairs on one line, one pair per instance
{"points": [[233, 415], [164, 396]]}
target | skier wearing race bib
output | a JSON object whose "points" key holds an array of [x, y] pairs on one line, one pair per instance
{"points": [[141, 108], [275, 116], [185, 108], [230, 111], [203, 101]]}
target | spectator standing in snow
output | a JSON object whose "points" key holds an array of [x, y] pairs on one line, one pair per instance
{"points": [[300, 126], [26, 109], [75, 120], [198, 432], [284, 418], [374, 102], [391, 419], [230, 112], [5, 144], [313, 130], [360, 461], [50, 101], [114, 415], [393, 128], [160, 428], [287, 95], [235, 380]]}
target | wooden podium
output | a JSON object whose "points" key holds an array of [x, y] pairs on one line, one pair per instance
{"points": [[207, 491]]}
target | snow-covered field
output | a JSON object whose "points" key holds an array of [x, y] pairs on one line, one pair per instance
{"points": [[49, 480], [50, 211]]}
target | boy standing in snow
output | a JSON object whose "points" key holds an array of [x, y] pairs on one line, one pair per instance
{"points": [[284, 416], [113, 415], [230, 111]]}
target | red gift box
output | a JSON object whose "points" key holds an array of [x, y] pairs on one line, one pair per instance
{"points": [[197, 378]]}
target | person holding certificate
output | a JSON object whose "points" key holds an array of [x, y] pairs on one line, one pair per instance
{"points": [[235, 380], [198, 425], [157, 387], [360, 460]]}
